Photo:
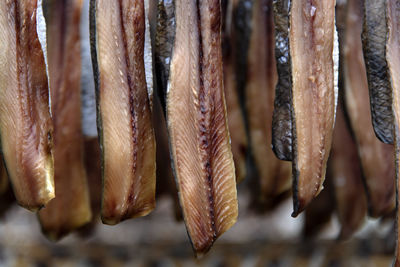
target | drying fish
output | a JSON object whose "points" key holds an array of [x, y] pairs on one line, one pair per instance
{"points": [[314, 93], [282, 118], [345, 172], [235, 115], [70, 209], [124, 115], [376, 157], [273, 174], [197, 126], [374, 43], [393, 61], [25, 122]]}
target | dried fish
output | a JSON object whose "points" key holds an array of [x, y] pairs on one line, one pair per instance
{"points": [[198, 130], [314, 94], [25, 122], [124, 114]]}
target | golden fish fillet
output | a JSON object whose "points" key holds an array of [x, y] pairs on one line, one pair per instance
{"points": [[376, 158], [124, 114], [25, 122], [70, 209], [197, 125], [274, 175], [314, 94]]}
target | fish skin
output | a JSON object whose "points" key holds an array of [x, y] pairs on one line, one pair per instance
{"points": [[274, 175], [234, 110], [124, 116], [374, 41], [282, 117], [376, 157], [392, 58], [198, 130], [25, 122], [70, 209], [313, 96]]}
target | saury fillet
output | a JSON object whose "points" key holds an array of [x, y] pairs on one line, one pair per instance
{"points": [[70, 209], [25, 122], [282, 114], [376, 158], [234, 111], [124, 116], [198, 130], [393, 61], [273, 174], [374, 36], [314, 94]]}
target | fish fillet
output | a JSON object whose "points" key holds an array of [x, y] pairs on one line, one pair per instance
{"points": [[25, 122], [312, 37], [124, 116], [198, 130]]}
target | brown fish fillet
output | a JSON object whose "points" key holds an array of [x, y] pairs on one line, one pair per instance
{"points": [[124, 116], [235, 115], [198, 130], [393, 60], [274, 175], [345, 172], [376, 157], [70, 209], [25, 122], [312, 30]]}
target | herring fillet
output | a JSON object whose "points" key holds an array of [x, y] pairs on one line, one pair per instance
{"points": [[198, 130], [312, 29], [374, 36], [376, 157], [25, 122], [282, 117], [234, 111], [273, 174], [124, 116], [393, 61], [70, 209]]}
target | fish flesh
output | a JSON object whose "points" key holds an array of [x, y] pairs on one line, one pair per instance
{"points": [[197, 124], [346, 175], [374, 35], [236, 122], [282, 114], [70, 209], [123, 111], [274, 175], [393, 62], [376, 158], [25, 123], [312, 41]]}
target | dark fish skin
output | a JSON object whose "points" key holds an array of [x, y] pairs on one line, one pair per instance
{"points": [[282, 118], [163, 37], [374, 41], [393, 60]]}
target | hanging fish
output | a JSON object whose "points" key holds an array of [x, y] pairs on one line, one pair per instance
{"points": [[314, 59], [25, 123], [124, 114], [376, 158], [374, 36]]}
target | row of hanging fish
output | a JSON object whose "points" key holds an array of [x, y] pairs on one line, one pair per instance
{"points": [[241, 88]]}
